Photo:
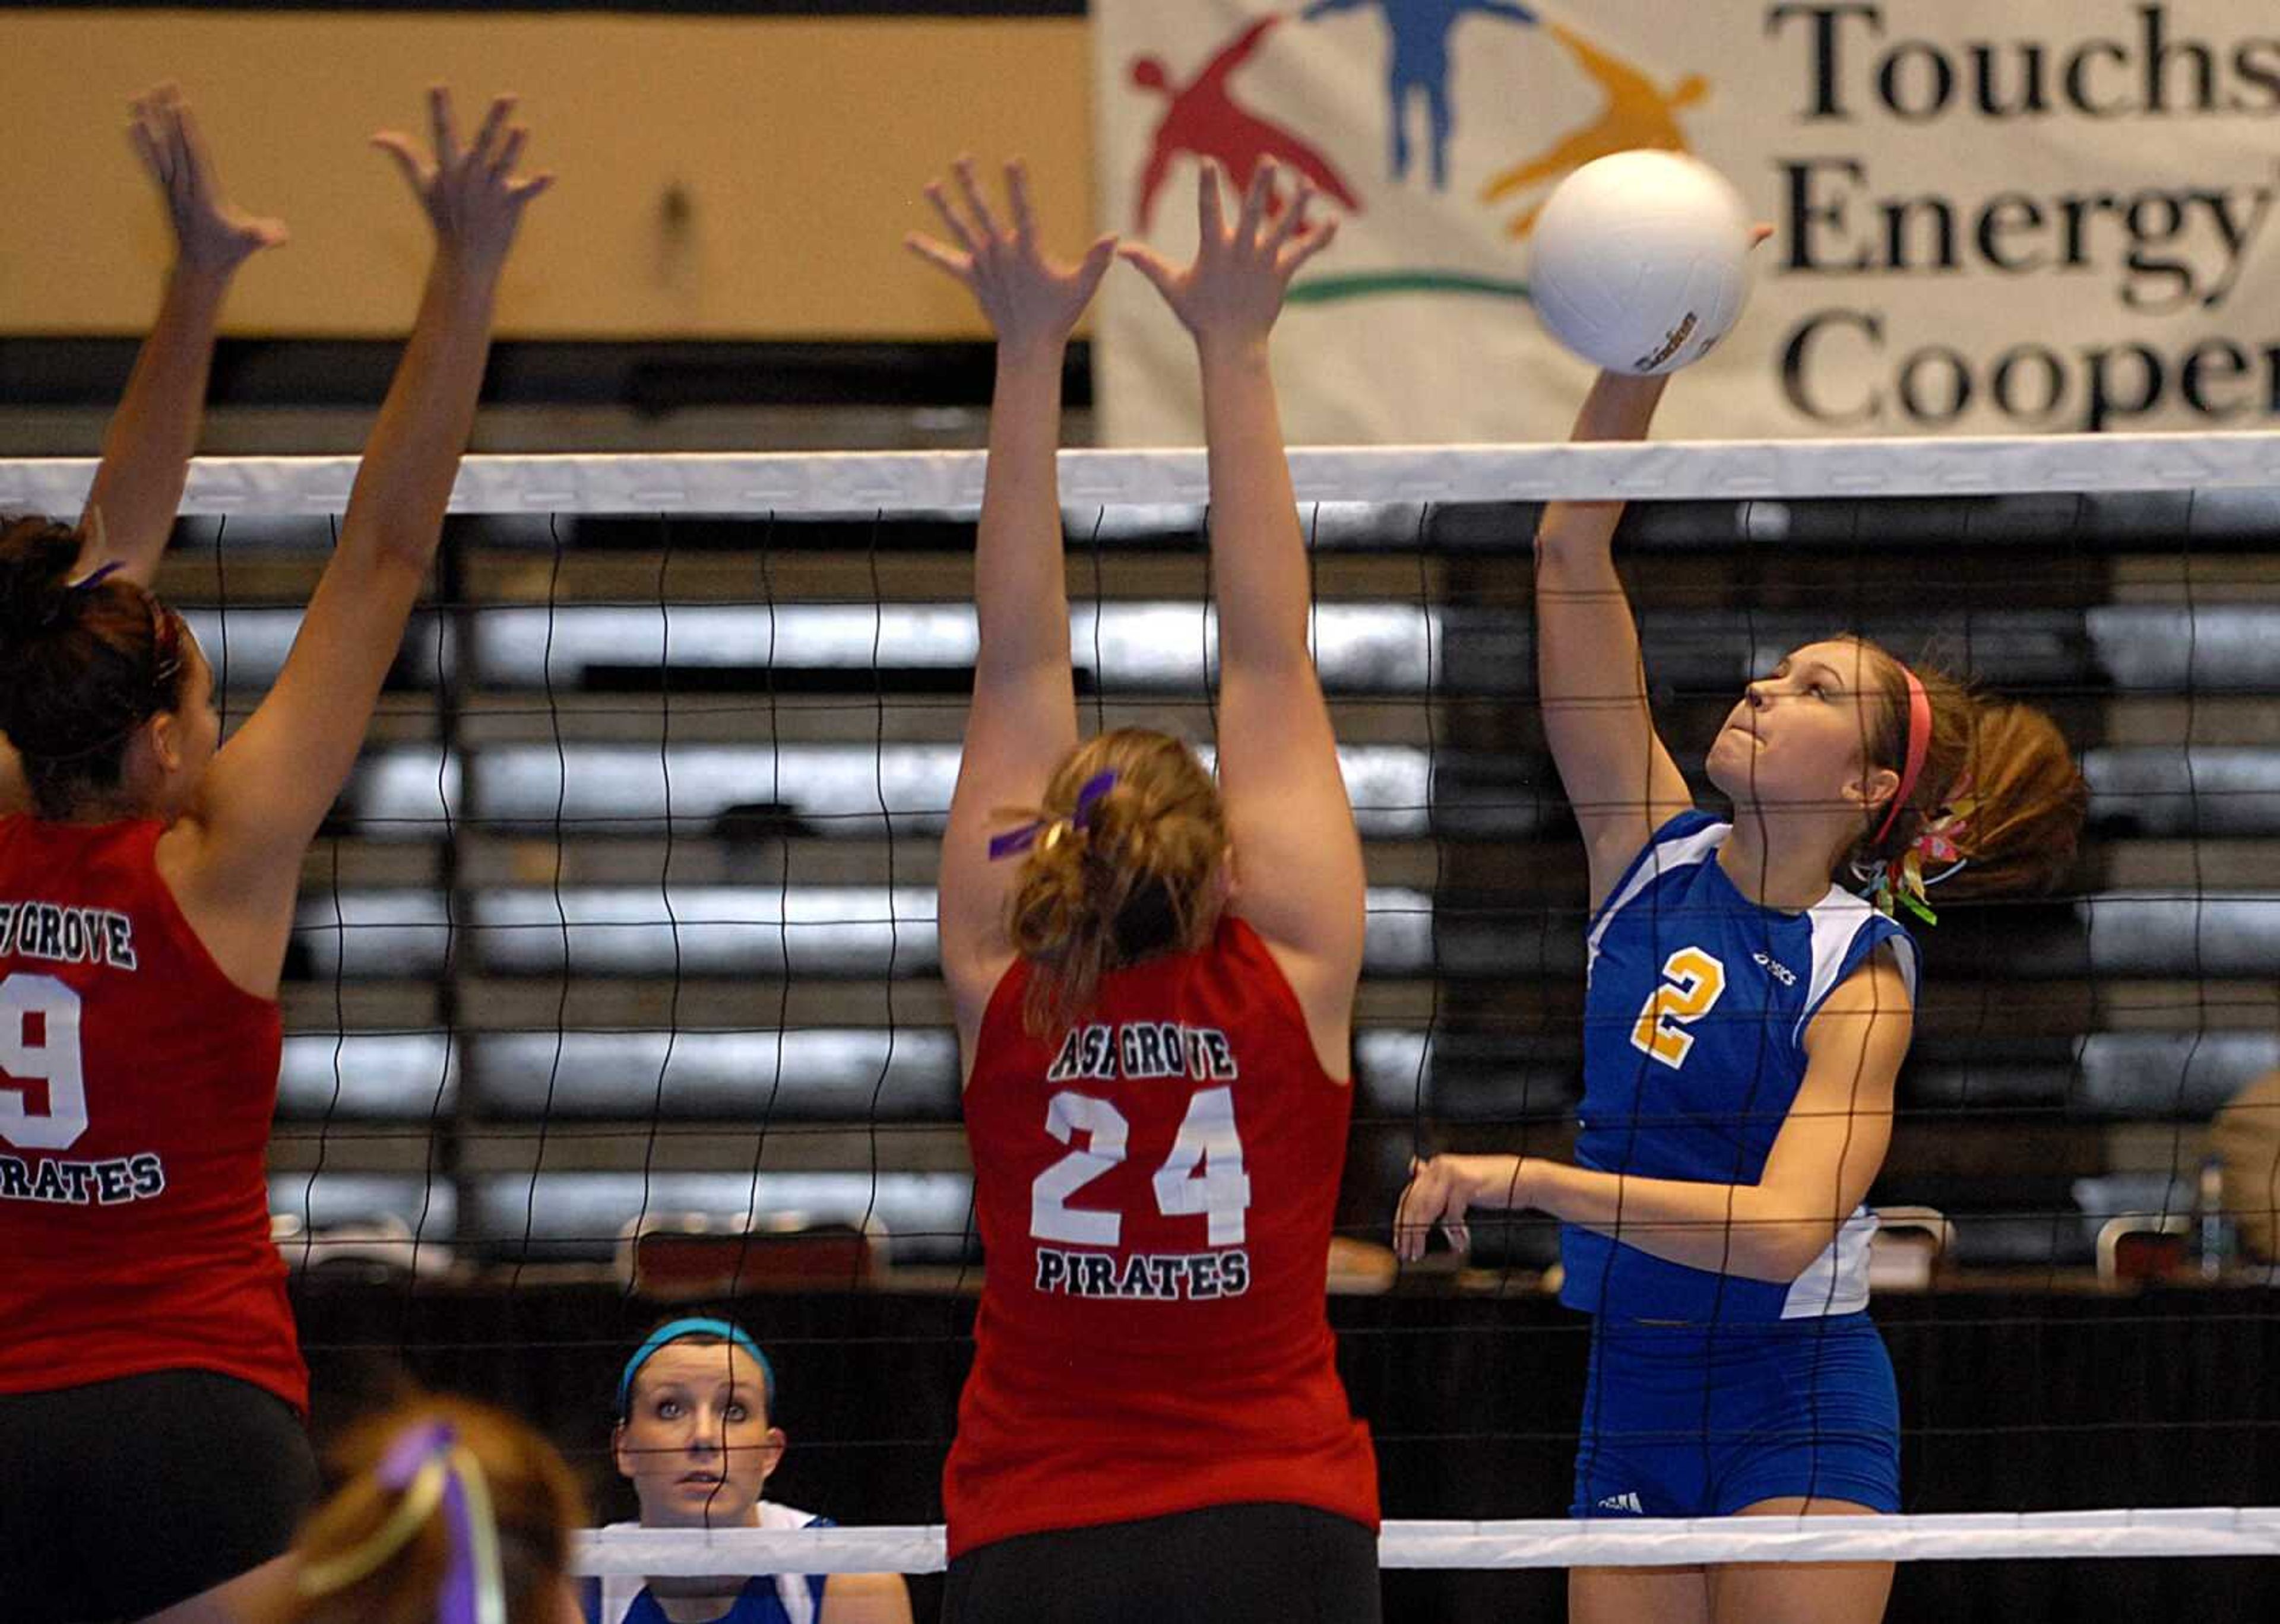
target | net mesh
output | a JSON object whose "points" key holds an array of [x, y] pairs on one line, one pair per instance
{"points": [[615, 984]]}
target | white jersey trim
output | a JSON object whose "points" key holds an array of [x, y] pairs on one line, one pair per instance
{"points": [[1836, 1282], [619, 1589], [1665, 857], [1836, 921]]}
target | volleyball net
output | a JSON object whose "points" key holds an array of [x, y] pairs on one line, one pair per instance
{"points": [[615, 984]]}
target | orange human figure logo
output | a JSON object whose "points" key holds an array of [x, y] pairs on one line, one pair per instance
{"points": [[1638, 113]]}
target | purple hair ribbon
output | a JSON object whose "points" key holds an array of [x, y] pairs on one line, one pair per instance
{"points": [[428, 1466], [97, 577], [1013, 841], [73, 589]]}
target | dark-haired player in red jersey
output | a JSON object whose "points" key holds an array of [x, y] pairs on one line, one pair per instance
{"points": [[1156, 1054], [151, 1383]]}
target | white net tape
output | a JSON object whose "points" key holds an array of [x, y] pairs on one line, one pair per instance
{"points": [[2210, 1531], [920, 480]]}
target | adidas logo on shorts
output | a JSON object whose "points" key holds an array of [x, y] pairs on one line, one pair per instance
{"points": [[1621, 1503]]}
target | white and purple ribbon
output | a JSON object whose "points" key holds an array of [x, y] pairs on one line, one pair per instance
{"points": [[1013, 841]]}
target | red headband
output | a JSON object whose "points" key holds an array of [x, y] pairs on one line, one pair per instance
{"points": [[1919, 746]]}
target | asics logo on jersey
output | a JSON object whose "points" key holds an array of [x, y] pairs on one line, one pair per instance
{"points": [[1629, 1502], [1773, 967]]}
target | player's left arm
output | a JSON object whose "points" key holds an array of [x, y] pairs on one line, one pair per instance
{"points": [[866, 1598], [146, 449], [1830, 1147], [1297, 858], [1022, 717]]}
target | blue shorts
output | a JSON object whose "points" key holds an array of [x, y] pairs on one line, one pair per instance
{"points": [[1695, 1420]]}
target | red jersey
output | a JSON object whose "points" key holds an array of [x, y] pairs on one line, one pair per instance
{"points": [[1154, 1190], [136, 1085]]}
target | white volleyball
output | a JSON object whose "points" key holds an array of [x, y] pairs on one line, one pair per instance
{"points": [[1641, 261]]}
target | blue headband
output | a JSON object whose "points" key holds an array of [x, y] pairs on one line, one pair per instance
{"points": [[673, 1331]]}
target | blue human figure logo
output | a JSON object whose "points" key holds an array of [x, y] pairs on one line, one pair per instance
{"points": [[1420, 66]]}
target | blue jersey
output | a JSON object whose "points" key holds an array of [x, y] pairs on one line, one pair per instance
{"points": [[1693, 1048], [759, 1602], [766, 1598]]}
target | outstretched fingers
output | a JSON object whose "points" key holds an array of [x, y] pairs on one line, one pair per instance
{"points": [[471, 195], [1313, 241], [400, 148], [491, 137], [1095, 264], [508, 152], [150, 148], [443, 128], [957, 227], [1292, 221], [941, 257], [192, 157], [1016, 193], [963, 169], [1211, 209], [1162, 274], [1256, 197]]}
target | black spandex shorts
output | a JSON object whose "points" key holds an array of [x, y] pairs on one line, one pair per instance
{"points": [[1226, 1564], [120, 1497]]}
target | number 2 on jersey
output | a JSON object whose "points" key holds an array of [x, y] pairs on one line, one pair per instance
{"points": [[1203, 1174], [54, 1060], [1692, 984]]}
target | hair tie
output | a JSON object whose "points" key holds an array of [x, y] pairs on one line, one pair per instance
{"points": [[1913, 763], [673, 1331], [428, 1466], [1016, 841], [1902, 883], [73, 591]]}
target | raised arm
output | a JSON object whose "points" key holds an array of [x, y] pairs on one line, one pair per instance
{"points": [[146, 450], [1023, 716], [1830, 1147], [270, 789], [1297, 858], [1591, 686]]}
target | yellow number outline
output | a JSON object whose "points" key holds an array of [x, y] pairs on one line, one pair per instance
{"points": [[1694, 984]]}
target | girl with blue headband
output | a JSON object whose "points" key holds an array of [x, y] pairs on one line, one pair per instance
{"points": [[696, 1439]]}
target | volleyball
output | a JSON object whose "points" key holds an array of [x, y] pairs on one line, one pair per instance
{"points": [[1641, 261]]}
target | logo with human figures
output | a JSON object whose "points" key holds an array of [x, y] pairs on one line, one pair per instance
{"points": [[1207, 112]]}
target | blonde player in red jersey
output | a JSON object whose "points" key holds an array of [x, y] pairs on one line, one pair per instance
{"points": [[150, 1375], [1153, 978]]}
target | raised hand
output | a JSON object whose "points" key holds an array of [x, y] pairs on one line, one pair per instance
{"points": [[472, 197], [210, 233], [1234, 289], [1029, 296]]}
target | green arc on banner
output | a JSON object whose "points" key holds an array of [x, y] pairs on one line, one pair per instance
{"points": [[1372, 284]]}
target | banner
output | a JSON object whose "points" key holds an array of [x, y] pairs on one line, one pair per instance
{"points": [[2046, 215]]}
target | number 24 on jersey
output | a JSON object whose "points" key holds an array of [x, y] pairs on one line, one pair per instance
{"points": [[1202, 1176]]}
